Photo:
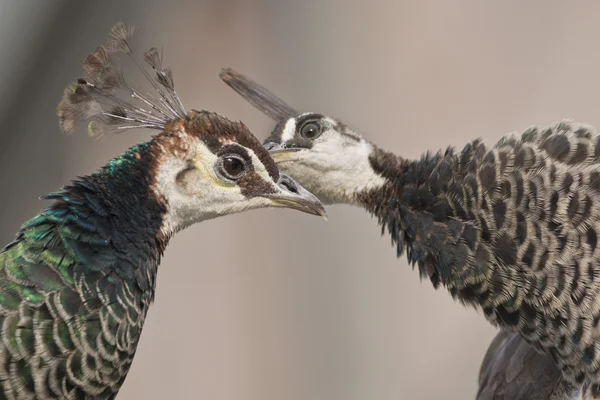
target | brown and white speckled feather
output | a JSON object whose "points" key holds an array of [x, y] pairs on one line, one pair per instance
{"points": [[511, 229]]}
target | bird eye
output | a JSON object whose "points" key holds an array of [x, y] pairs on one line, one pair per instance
{"points": [[232, 166], [310, 130]]}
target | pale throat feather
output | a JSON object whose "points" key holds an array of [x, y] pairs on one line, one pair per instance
{"points": [[333, 178]]}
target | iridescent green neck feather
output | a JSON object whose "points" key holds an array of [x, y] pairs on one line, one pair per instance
{"points": [[76, 283]]}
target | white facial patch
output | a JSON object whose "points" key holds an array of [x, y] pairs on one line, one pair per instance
{"points": [[289, 130], [335, 169], [259, 168], [200, 194], [166, 186]]}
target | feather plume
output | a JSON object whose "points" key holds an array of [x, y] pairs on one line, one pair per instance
{"points": [[153, 58], [119, 37], [108, 101], [257, 95]]}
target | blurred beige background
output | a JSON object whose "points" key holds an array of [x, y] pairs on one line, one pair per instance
{"points": [[321, 310]]}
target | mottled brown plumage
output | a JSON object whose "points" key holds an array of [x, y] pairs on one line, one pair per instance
{"points": [[511, 229]]}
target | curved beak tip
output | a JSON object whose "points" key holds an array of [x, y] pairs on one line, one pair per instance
{"points": [[321, 212], [294, 196]]}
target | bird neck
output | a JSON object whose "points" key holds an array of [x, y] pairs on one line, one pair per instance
{"points": [[114, 211], [403, 183], [126, 188], [432, 218], [412, 205], [339, 180]]}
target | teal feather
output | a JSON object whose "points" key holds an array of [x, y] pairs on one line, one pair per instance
{"points": [[72, 299]]}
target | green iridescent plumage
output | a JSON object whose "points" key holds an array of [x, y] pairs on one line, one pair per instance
{"points": [[76, 283]]}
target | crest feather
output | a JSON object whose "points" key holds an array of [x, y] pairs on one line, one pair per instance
{"points": [[110, 103]]}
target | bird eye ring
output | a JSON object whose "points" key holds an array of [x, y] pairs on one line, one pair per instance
{"points": [[310, 130], [231, 167]]}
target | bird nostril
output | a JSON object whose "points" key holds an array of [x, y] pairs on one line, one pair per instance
{"points": [[287, 184], [269, 146]]}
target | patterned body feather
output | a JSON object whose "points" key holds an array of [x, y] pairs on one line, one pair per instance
{"points": [[511, 229], [76, 284]]}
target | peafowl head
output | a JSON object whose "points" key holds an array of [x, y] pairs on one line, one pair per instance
{"points": [[200, 165]]}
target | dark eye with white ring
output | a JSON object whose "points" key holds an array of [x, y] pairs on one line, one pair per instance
{"points": [[310, 130], [231, 166]]}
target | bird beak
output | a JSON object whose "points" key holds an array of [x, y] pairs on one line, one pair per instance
{"points": [[292, 195], [279, 153]]}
